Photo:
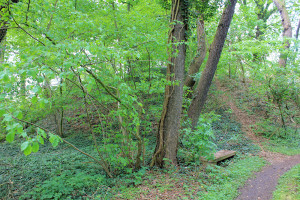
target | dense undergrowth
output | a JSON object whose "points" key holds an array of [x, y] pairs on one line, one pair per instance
{"points": [[63, 173], [51, 173]]}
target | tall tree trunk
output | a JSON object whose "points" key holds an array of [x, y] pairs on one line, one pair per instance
{"points": [[168, 128], [200, 55], [287, 30], [211, 64]]}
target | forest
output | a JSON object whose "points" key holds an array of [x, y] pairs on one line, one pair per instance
{"points": [[149, 99]]}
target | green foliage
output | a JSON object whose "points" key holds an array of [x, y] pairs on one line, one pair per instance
{"points": [[199, 142], [205, 9], [2, 137], [51, 173], [267, 89], [84, 57], [54, 139], [287, 146], [67, 185], [100, 66], [288, 185]]}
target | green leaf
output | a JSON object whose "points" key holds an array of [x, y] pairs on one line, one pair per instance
{"points": [[34, 99], [20, 115], [23, 134], [7, 118], [89, 87], [51, 138], [5, 78], [42, 132], [19, 129], [35, 90], [43, 103], [35, 147], [2, 112], [54, 139], [10, 136], [24, 145], [40, 139], [28, 150]]}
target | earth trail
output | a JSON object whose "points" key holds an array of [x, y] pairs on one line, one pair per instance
{"points": [[262, 185]]}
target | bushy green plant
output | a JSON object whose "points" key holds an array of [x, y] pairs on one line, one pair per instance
{"points": [[199, 142]]}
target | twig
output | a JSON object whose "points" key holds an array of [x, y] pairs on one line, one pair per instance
{"points": [[23, 28]]}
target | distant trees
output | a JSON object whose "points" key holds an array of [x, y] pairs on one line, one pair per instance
{"points": [[287, 30]]}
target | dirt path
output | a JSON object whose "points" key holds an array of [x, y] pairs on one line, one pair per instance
{"points": [[264, 182]]}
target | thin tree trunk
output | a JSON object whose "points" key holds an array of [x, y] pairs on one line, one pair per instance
{"points": [[3, 31], [287, 30], [297, 31], [200, 56], [2, 49], [211, 64], [243, 72], [168, 129], [4, 23]]}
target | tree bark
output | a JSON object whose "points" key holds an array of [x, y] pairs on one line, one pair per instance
{"points": [[211, 64], [297, 31], [168, 128], [3, 31], [287, 30], [3, 28], [200, 56]]}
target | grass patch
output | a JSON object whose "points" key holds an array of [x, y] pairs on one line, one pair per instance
{"points": [[223, 183], [288, 185], [277, 140], [287, 147]]}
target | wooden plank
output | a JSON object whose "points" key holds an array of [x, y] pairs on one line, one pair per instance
{"points": [[219, 156], [223, 154]]}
